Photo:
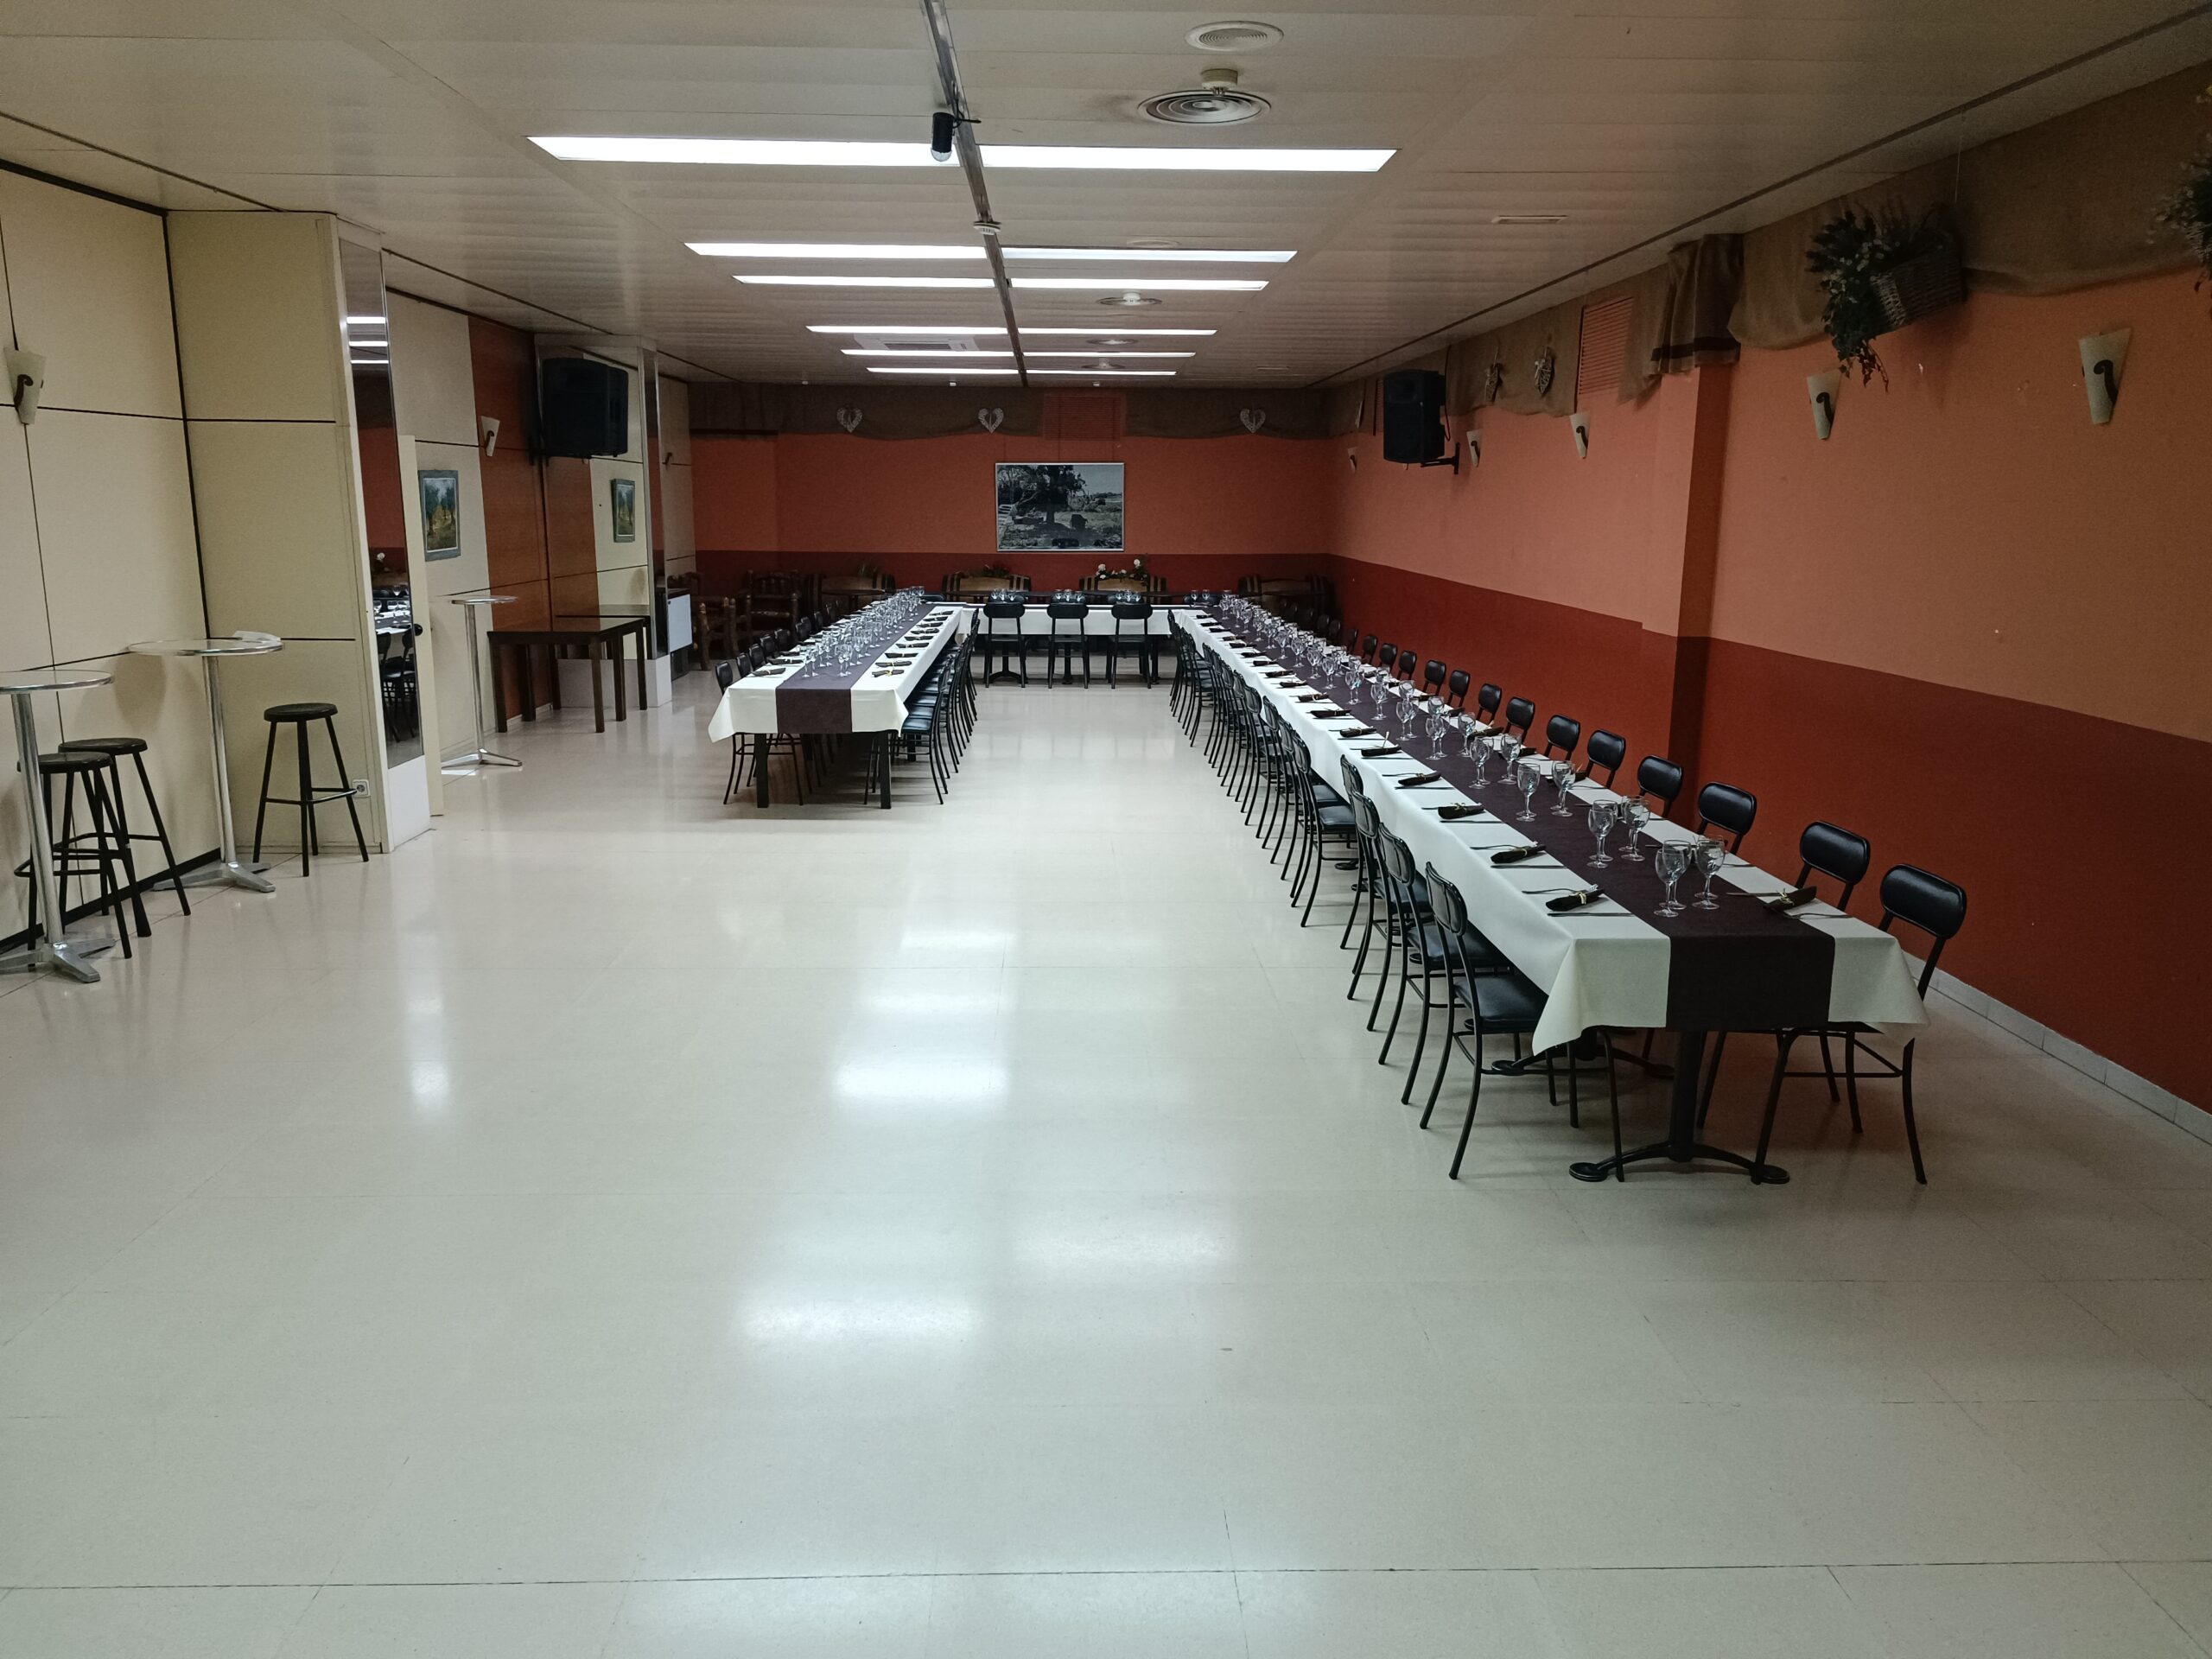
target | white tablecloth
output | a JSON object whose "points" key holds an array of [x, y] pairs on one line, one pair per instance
{"points": [[1600, 967], [879, 700], [1098, 624]]}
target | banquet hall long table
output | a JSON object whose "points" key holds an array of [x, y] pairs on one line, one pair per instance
{"points": [[1616, 963], [804, 698]]}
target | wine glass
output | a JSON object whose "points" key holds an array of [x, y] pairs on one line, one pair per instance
{"points": [[1602, 815], [1470, 742], [1531, 775], [1439, 718], [1563, 780], [1670, 859], [1708, 855], [1636, 812]]}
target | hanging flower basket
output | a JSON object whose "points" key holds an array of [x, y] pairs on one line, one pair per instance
{"points": [[1881, 270]]}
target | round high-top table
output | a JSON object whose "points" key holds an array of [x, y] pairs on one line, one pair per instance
{"points": [[53, 945], [471, 606], [228, 870]]}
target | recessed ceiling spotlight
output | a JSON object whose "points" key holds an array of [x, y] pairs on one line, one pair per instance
{"points": [[1129, 299], [1528, 219], [1216, 101], [840, 152], [1242, 36]]}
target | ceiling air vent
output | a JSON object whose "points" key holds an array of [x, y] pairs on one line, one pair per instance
{"points": [[1216, 101], [1233, 37], [1129, 299]]}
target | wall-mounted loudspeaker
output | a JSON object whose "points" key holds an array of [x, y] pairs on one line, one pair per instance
{"points": [[1413, 418], [584, 407]]}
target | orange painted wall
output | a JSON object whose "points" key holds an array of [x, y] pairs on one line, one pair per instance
{"points": [[1970, 527], [923, 507]]}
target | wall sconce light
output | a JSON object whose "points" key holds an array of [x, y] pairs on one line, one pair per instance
{"points": [[25, 379], [1474, 448], [1822, 389], [2103, 357], [488, 427], [1580, 422]]}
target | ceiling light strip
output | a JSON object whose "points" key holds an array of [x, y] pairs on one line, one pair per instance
{"points": [[953, 372], [932, 251], [838, 152], [1101, 284], [995, 351], [993, 328]]}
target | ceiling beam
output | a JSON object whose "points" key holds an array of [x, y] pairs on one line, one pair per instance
{"points": [[971, 158]]}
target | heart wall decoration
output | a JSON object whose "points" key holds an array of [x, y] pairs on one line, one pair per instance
{"points": [[990, 419], [1254, 419], [1547, 365], [849, 418]]}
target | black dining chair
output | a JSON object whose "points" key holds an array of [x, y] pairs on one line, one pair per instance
{"points": [[1486, 702], [1065, 634], [1520, 715], [1457, 695], [1937, 909], [1133, 627], [1004, 642], [1432, 676], [1659, 780], [1606, 751], [1499, 1002], [1409, 660], [1727, 809], [1562, 734], [1386, 658], [1366, 649]]}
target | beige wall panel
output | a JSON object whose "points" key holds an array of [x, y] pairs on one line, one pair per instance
{"points": [[611, 555], [258, 319], [625, 589], [678, 544], [163, 700], [448, 635], [434, 382], [24, 641], [115, 531], [306, 670], [91, 284], [676, 420], [278, 528]]}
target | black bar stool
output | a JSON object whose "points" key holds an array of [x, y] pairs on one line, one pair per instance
{"points": [[71, 858], [115, 748], [311, 795]]}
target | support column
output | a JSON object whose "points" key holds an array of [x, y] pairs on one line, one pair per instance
{"points": [[1676, 611]]}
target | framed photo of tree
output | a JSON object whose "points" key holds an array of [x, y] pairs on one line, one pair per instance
{"points": [[1059, 506]]}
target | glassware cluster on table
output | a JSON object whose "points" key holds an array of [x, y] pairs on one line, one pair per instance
{"points": [[856, 641], [1330, 667]]}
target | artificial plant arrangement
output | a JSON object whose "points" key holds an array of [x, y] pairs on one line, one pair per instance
{"points": [[1881, 270], [2189, 210]]}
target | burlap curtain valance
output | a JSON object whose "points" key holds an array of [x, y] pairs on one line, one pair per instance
{"points": [[1204, 412], [2063, 205], [747, 407]]}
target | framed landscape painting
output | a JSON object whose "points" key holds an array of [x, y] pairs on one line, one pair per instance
{"points": [[623, 504], [1059, 506], [441, 514]]}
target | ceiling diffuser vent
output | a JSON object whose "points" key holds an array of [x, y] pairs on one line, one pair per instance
{"points": [[1233, 37], [1129, 299], [1216, 101]]}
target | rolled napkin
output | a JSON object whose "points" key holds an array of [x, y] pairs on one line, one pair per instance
{"points": [[1781, 902], [1307, 696], [1458, 810], [1357, 731], [1378, 753], [1325, 714], [1419, 778], [1516, 855], [1567, 901]]}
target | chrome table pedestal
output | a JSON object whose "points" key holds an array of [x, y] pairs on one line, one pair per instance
{"points": [[482, 755], [228, 870], [54, 948]]}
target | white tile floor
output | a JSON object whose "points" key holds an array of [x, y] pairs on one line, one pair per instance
{"points": [[621, 1226]]}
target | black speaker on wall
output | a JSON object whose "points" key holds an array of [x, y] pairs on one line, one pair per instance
{"points": [[1412, 418], [583, 407]]}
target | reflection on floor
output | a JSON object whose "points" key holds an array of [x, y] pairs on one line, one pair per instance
{"points": [[620, 1225]]}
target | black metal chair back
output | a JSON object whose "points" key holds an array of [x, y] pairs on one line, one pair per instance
{"points": [[1432, 675], [1562, 734], [1607, 750], [1923, 900], [1660, 779], [1725, 807], [1457, 696], [1408, 659], [1520, 715], [1487, 702], [1831, 850]]}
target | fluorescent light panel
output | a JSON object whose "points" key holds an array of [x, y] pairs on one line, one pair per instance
{"points": [[835, 152], [999, 328], [938, 251], [953, 372], [993, 350], [1105, 284]]}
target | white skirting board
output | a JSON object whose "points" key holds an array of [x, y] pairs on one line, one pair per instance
{"points": [[2161, 1102]]}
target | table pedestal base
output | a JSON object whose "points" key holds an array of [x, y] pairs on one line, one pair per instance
{"points": [[230, 873], [461, 763], [1772, 1175], [67, 954]]}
